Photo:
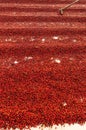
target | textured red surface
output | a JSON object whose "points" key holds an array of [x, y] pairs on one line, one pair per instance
{"points": [[42, 63]]}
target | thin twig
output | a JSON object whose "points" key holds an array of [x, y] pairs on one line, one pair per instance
{"points": [[62, 9]]}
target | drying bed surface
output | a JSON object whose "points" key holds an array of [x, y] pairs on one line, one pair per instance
{"points": [[42, 63]]}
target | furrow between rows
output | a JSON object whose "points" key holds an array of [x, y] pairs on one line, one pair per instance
{"points": [[43, 18], [42, 31], [41, 1]]}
